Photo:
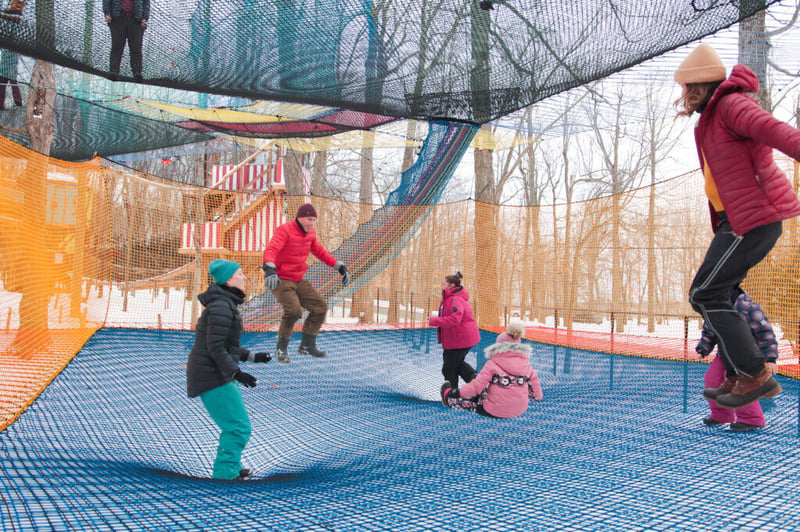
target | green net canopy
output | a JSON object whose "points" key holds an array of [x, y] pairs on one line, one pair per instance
{"points": [[457, 60]]}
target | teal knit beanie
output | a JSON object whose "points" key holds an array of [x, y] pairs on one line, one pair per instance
{"points": [[222, 270]]}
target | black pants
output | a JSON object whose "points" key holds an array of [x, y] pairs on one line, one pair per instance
{"points": [[727, 261], [454, 365], [125, 28]]}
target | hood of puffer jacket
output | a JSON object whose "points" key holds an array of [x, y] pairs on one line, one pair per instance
{"points": [[216, 291], [742, 79], [511, 356], [456, 291]]}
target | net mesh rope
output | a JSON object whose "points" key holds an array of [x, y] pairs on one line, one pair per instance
{"points": [[91, 247], [412, 59], [88, 245], [358, 441]]}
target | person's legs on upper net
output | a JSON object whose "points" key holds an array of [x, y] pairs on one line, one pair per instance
{"points": [[15, 92], [135, 39], [119, 32]]}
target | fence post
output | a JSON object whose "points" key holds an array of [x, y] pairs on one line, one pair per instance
{"points": [[411, 308], [555, 322], [378, 305], [685, 336], [612, 332]]}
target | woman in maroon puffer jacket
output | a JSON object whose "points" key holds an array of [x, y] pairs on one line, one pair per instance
{"points": [[749, 197], [458, 331]]}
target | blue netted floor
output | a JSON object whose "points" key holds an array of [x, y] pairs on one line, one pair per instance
{"points": [[359, 441]]}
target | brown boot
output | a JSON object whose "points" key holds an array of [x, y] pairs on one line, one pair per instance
{"points": [[727, 387], [750, 389]]}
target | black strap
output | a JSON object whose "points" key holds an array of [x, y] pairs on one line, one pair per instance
{"points": [[508, 380]]}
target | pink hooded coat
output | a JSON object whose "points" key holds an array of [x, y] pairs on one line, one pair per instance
{"points": [[457, 327], [505, 358]]}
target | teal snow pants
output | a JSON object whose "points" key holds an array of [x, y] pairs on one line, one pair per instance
{"points": [[226, 408]]}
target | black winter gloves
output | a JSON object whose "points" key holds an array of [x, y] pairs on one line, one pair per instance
{"points": [[246, 379], [249, 356], [271, 280], [262, 357]]}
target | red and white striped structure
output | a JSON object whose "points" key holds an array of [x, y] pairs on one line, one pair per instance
{"points": [[210, 241], [249, 177], [253, 235], [251, 227]]}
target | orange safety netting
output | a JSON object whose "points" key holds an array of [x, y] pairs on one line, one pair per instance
{"points": [[91, 245]]}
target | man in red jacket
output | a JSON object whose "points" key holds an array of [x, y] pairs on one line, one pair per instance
{"points": [[285, 263]]}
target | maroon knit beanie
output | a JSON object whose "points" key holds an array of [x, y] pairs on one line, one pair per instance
{"points": [[306, 210]]}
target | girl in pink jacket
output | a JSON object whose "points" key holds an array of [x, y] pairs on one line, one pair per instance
{"points": [[748, 196], [458, 331], [505, 384]]}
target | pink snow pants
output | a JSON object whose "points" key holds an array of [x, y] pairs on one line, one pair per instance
{"points": [[751, 414]]}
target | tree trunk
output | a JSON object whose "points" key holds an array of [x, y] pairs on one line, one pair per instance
{"points": [[362, 299], [393, 312], [486, 239], [40, 124], [754, 52]]}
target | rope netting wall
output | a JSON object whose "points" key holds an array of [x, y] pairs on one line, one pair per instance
{"points": [[464, 60], [94, 245]]}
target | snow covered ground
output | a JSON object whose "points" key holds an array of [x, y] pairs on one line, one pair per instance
{"points": [[168, 308]]}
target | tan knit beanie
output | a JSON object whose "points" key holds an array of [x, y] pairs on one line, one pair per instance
{"points": [[701, 66]]}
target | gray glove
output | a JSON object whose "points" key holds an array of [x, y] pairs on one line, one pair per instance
{"points": [[342, 269], [271, 280]]}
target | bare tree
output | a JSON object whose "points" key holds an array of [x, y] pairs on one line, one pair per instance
{"points": [[657, 141], [754, 50], [622, 170]]}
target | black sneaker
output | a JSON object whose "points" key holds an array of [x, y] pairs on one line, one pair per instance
{"points": [[312, 351], [446, 387], [244, 474], [743, 427], [711, 422]]}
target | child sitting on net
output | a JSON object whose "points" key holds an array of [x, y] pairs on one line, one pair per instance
{"points": [[506, 383]]}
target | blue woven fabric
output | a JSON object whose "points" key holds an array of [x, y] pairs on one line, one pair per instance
{"points": [[359, 441]]}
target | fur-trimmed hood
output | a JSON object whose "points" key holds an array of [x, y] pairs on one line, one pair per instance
{"points": [[508, 347]]}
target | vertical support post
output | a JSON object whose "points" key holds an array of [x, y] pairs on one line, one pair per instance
{"points": [[378, 305], [555, 323], [686, 337], [612, 332], [411, 308]]}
